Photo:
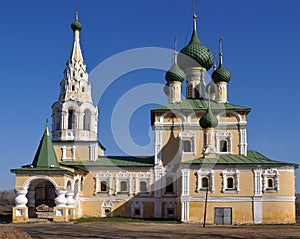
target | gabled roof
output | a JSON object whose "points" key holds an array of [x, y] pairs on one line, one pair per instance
{"points": [[200, 105], [252, 158]]}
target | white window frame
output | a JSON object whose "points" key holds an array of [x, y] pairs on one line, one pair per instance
{"points": [[170, 205], [123, 176], [137, 205], [64, 153], [235, 175], [220, 135], [103, 176], [273, 174], [142, 177], [205, 173], [106, 205], [187, 135]]}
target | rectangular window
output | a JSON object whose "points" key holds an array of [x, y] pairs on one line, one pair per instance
{"points": [[187, 146], [143, 187], [123, 186], [169, 185], [103, 186], [230, 183]]}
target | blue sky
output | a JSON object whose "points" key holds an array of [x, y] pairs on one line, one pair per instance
{"points": [[261, 49]]}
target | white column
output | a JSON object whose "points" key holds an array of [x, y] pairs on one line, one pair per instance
{"points": [[174, 92], [61, 199], [257, 199], [243, 141], [195, 76], [21, 199], [158, 173], [158, 147]]}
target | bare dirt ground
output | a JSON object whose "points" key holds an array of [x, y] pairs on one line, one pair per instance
{"points": [[153, 230]]}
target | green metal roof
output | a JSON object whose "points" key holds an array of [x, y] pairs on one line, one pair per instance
{"points": [[200, 105], [28, 170], [112, 161], [252, 158], [208, 120], [174, 74], [221, 74], [45, 156]]}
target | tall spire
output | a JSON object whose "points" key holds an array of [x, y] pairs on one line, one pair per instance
{"points": [[76, 27]]}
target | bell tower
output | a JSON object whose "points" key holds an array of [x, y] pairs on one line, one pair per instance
{"points": [[74, 117]]}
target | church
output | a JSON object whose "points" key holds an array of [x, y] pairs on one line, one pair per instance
{"points": [[201, 170]]}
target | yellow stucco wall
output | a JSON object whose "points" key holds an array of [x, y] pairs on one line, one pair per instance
{"points": [[278, 212]]}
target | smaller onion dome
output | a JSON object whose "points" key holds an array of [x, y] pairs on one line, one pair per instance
{"points": [[208, 120], [76, 26], [221, 74], [174, 74]]}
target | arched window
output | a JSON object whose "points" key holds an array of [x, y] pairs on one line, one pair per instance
{"points": [[223, 146], [143, 186], [76, 188], [103, 186], [204, 182], [56, 120], [71, 119], [189, 91], [187, 146], [69, 187], [230, 184], [87, 120]]}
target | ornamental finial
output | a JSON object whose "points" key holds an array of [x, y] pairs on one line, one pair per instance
{"points": [[221, 50], [76, 13], [175, 43], [194, 14]]}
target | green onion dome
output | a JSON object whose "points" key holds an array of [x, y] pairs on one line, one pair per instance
{"points": [[76, 26], [174, 74], [221, 74], [195, 54], [208, 120]]}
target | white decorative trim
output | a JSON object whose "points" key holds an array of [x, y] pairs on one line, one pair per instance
{"points": [[106, 204], [257, 210], [205, 173], [158, 147], [257, 182], [271, 174], [221, 135], [103, 176], [137, 205], [142, 177], [170, 205], [126, 176], [177, 114], [232, 173], [187, 135], [185, 182]]}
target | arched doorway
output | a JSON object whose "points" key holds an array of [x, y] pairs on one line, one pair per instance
{"points": [[41, 196]]}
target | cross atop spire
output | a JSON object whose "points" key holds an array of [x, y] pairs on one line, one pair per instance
{"points": [[221, 50], [194, 14], [175, 43], [76, 14]]}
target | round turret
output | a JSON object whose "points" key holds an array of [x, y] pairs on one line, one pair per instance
{"points": [[174, 74], [208, 120], [221, 74]]}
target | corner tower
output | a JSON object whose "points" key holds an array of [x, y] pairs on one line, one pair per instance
{"points": [[74, 117]]}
